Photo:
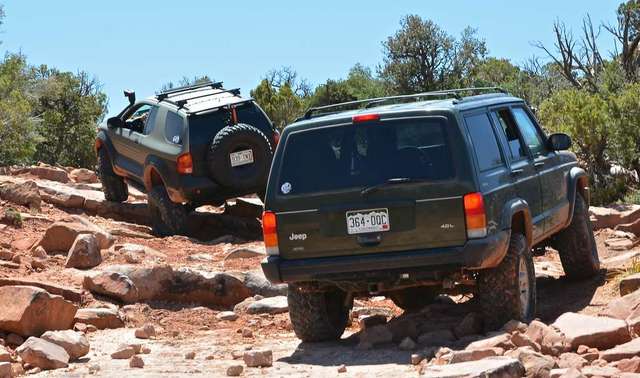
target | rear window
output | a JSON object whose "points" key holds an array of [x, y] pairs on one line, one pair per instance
{"points": [[362, 155]]}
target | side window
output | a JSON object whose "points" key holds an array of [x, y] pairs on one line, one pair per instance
{"points": [[174, 128], [484, 141], [151, 120], [137, 120], [508, 126], [529, 131]]}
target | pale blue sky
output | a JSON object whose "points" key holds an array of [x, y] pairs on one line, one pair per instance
{"points": [[144, 44]]}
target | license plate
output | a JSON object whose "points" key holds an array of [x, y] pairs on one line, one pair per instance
{"points": [[366, 221], [241, 158]]}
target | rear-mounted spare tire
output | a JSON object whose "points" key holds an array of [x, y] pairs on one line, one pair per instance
{"points": [[240, 157]]}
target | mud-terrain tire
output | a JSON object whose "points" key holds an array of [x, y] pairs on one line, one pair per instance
{"points": [[577, 246], [508, 291], [113, 186], [413, 298], [238, 138], [167, 218], [318, 315]]}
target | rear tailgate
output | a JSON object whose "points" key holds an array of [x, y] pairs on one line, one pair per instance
{"points": [[324, 171]]}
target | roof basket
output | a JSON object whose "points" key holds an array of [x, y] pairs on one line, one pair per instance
{"points": [[373, 102], [164, 94]]}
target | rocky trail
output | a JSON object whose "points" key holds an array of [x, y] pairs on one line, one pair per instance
{"points": [[86, 289]]}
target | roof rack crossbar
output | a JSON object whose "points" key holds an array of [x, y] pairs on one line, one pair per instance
{"points": [[374, 101], [164, 94], [182, 103]]}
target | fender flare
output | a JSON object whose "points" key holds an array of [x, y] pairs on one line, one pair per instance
{"points": [[578, 181], [103, 141], [514, 208], [157, 171]]}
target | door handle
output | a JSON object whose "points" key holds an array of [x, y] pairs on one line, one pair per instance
{"points": [[539, 164], [516, 172]]}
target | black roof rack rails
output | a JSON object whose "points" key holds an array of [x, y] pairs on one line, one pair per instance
{"points": [[181, 103], [371, 102], [214, 85]]}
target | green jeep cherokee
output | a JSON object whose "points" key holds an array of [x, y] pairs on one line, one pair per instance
{"points": [[413, 196]]}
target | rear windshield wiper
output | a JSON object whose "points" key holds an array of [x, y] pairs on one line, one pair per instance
{"points": [[391, 181]]}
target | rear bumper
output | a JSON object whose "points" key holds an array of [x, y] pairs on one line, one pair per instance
{"points": [[475, 254], [201, 190]]}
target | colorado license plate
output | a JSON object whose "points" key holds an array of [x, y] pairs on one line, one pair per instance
{"points": [[365, 221], [241, 158]]}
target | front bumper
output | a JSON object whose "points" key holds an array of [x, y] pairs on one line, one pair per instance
{"points": [[475, 254]]}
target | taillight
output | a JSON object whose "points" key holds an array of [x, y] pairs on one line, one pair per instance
{"points": [[98, 144], [365, 118], [185, 164], [276, 138], [270, 232], [475, 215]]}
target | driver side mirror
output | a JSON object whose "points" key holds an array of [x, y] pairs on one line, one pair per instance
{"points": [[559, 142], [115, 122]]}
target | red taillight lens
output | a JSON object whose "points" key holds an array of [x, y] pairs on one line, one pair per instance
{"points": [[475, 215], [270, 232], [276, 138], [185, 164], [365, 118], [98, 144]]}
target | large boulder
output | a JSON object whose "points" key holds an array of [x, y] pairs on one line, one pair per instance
{"points": [[256, 282], [610, 217], [61, 235], [629, 284], [25, 194], [84, 253], [272, 305], [31, 311], [619, 352], [83, 176], [43, 354], [185, 285], [493, 367], [74, 343], [47, 173], [113, 285], [592, 331], [535, 364], [101, 318], [550, 340]]}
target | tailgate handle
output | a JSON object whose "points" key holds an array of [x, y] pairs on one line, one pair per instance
{"points": [[369, 240]]}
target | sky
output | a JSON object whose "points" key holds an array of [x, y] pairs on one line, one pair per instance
{"points": [[141, 44]]}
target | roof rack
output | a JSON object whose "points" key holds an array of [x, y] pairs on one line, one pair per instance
{"points": [[164, 94], [181, 103], [372, 102]]}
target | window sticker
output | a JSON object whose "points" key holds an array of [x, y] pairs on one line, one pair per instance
{"points": [[285, 188]]}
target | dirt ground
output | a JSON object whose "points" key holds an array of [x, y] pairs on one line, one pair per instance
{"points": [[184, 328]]}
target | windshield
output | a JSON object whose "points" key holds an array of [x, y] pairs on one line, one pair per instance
{"points": [[365, 154]]}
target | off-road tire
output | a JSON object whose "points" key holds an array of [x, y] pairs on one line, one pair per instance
{"points": [[318, 316], [499, 288], [113, 186], [167, 218], [413, 298], [577, 246], [237, 138]]}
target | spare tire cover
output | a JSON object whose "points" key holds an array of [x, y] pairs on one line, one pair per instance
{"points": [[240, 157]]}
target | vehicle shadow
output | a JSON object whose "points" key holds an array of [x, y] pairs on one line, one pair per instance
{"points": [[556, 296], [345, 352]]}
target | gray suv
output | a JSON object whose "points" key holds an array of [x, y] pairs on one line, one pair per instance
{"points": [[186, 147]]}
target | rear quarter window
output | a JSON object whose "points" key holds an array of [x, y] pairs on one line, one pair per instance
{"points": [[484, 141], [174, 128]]}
